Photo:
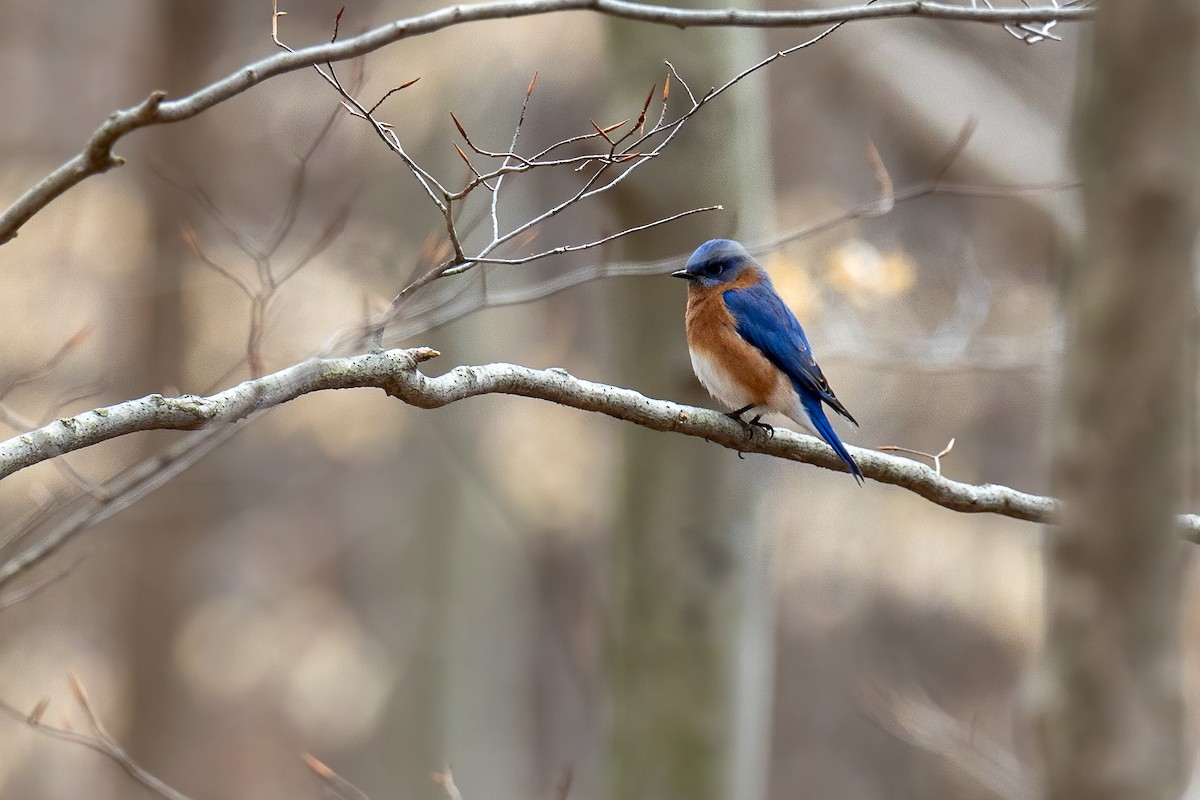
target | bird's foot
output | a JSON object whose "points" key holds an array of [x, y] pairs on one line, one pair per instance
{"points": [[758, 423], [748, 427]]}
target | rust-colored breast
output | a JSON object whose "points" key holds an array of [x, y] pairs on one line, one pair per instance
{"points": [[712, 333]]}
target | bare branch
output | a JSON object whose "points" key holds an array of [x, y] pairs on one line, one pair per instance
{"points": [[188, 233], [436, 192], [296, 193], [325, 237], [395, 371], [630, 156], [97, 155], [507, 159], [574, 248], [389, 92], [871, 207]]}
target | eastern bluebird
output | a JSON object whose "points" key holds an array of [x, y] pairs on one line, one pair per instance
{"points": [[749, 350]]}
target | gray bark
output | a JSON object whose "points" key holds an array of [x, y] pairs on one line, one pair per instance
{"points": [[1110, 713]]}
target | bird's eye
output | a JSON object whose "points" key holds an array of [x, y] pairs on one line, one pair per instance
{"points": [[714, 268]]}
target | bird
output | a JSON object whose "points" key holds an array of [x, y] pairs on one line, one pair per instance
{"points": [[748, 349]]}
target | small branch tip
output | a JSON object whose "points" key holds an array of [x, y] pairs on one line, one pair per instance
{"points": [[81, 695], [422, 354], [318, 767], [35, 716]]}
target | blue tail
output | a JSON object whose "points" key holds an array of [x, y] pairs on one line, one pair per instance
{"points": [[812, 404]]}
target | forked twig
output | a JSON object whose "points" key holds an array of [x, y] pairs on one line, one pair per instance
{"points": [[622, 156], [936, 458], [98, 740]]}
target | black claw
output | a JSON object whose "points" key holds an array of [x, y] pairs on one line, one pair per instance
{"points": [[757, 423]]}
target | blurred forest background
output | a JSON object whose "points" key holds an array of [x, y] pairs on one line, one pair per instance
{"points": [[505, 585]]}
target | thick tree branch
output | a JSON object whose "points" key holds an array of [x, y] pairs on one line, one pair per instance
{"points": [[395, 371], [97, 156]]}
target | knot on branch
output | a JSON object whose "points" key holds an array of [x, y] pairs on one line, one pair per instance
{"points": [[201, 408], [147, 110], [404, 381]]}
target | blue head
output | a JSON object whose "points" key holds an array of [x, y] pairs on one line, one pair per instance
{"points": [[715, 262]]}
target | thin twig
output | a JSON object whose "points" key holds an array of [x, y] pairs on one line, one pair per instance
{"points": [[188, 233], [99, 740], [575, 248], [936, 458], [49, 365], [335, 785], [445, 779], [296, 193], [512, 147]]}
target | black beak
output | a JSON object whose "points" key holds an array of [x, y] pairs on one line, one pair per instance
{"points": [[683, 273]]}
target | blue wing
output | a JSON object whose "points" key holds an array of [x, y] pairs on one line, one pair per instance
{"points": [[763, 320]]}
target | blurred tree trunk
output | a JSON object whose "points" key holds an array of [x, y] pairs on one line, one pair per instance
{"points": [[159, 591], [692, 630], [484, 603], [1110, 716]]}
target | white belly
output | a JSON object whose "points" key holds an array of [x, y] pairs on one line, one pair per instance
{"points": [[718, 383], [731, 393]]}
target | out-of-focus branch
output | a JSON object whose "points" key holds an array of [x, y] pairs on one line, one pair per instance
{"points": [[56, 523], [446, 781], [25, 592], [914, 717], [97, 155], [335, 785], [99, 739], [395, 371]]}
